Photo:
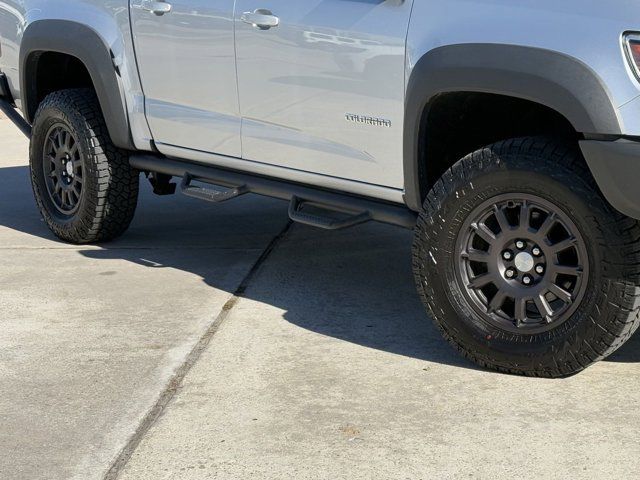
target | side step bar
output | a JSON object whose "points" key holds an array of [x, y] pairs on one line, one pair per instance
{"points": [[328, 223], [209, 195], [13, 115], [357, 209]]}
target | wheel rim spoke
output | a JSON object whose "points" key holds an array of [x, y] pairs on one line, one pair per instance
{"points": [[474, 255], [567, 270], [73, 153], [561, 293], [54, 161], [543, 307], [563, 245], [549, 222], [525, 216], [481, 281], [59, 142], [520, 311], [501, 218], [497, 301], [484, 232]]}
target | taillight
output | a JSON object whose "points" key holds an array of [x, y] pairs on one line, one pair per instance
{"points": [[632, 47]]}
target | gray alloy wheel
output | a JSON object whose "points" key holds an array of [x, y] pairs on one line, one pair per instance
{"points": [[63, 169], [523, 262]]}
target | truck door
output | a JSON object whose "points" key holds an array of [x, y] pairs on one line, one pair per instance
{"points": [[321, 85], [186, 57]]}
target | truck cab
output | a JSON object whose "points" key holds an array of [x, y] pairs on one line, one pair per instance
{"points": [[508, 142]]}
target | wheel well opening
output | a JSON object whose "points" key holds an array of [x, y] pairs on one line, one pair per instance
{"points": [[456, 124], [53, 71]]}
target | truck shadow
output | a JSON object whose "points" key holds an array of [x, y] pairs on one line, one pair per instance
{"points": [[353, 285]]}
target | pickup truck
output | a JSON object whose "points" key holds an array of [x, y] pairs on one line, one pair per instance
{"points": [[505, 134]]}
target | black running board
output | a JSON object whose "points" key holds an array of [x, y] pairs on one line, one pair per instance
{"points": [[17, 119], [357, 209]]}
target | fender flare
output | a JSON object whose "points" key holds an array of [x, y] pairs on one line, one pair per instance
{"points": [[84, 43], [549, 78]]}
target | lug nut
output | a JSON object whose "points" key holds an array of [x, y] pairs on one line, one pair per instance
{"points": [[507, 255], [536, 252], [527, 280], [540, 269], [520, 245], [510, 273]]}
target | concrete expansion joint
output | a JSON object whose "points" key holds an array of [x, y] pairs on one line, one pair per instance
{"points": [[176, 380]]}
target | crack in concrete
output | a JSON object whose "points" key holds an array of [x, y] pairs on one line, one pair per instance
{"points": [[176, 380]]}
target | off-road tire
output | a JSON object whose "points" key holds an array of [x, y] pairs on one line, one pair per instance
{"points": [[110, 186], [608, 313]]}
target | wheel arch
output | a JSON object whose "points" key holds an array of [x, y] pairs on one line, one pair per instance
{"points": [[547, 78], [84, 44]]}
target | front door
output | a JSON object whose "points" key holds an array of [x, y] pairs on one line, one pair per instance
{"points": [[322, 84], [186, 58]]}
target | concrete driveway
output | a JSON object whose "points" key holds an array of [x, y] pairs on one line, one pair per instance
{"points": [[219, 342]]}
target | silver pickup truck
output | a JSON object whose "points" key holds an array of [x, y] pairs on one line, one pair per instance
{"points": [[505, 133]]}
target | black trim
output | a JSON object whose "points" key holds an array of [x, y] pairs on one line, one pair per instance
{"points": [[379, 210], [82, 42], [616, 168], [13, 115], [5, 91], [549, 78]]}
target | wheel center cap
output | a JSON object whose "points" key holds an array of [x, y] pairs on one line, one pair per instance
{"points": [[69, 167], [524, 262]]}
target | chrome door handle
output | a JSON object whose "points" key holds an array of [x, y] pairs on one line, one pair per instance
{"points": [[157, 7], [261, 18]]}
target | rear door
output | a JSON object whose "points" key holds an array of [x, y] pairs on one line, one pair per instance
{"points": [[186, 58], [321, 85]]}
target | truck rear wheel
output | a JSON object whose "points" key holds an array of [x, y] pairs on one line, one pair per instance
{"points": [[523, 265], [84, 186]]}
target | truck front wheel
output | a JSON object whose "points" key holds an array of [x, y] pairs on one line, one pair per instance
{"points": [[84, 186], [523, 265]]}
